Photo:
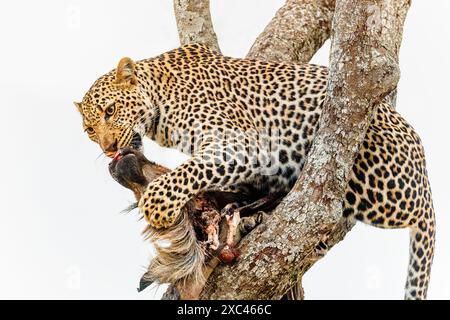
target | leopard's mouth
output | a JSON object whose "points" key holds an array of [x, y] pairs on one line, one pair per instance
{"points": [[110, 154], [117, 156], [134, 143], [121, 153]]}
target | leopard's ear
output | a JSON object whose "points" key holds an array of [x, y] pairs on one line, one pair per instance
{"points": [[78, 105], [125, 72]]}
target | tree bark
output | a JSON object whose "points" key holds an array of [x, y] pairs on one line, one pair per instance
{"points": [[296, 32], [194, 23], [363, 70]]}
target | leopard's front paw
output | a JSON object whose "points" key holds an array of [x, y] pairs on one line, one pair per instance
{"points": [[160, 208]]}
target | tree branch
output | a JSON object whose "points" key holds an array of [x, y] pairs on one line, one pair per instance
{"points": [[297, 31], [194, 23], [363, 70]]}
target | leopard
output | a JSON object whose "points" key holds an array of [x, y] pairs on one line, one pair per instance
{"points": [[252, 122]]}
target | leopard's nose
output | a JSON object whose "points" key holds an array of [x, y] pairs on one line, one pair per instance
{"points": [[111, 150], [112, 147]]}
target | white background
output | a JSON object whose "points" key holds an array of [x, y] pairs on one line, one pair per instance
{"points": [[61, 231]]}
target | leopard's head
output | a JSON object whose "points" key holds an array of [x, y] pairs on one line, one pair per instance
{"points": [[117, 112]]}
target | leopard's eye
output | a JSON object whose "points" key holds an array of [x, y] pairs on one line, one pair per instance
{"points": [[90, 130], [110, 110]]}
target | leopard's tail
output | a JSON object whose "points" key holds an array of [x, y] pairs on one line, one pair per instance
{"points": [[180, 258], [421, 252]]}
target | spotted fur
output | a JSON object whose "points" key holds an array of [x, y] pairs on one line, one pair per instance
{"points": [[249, 121]]}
